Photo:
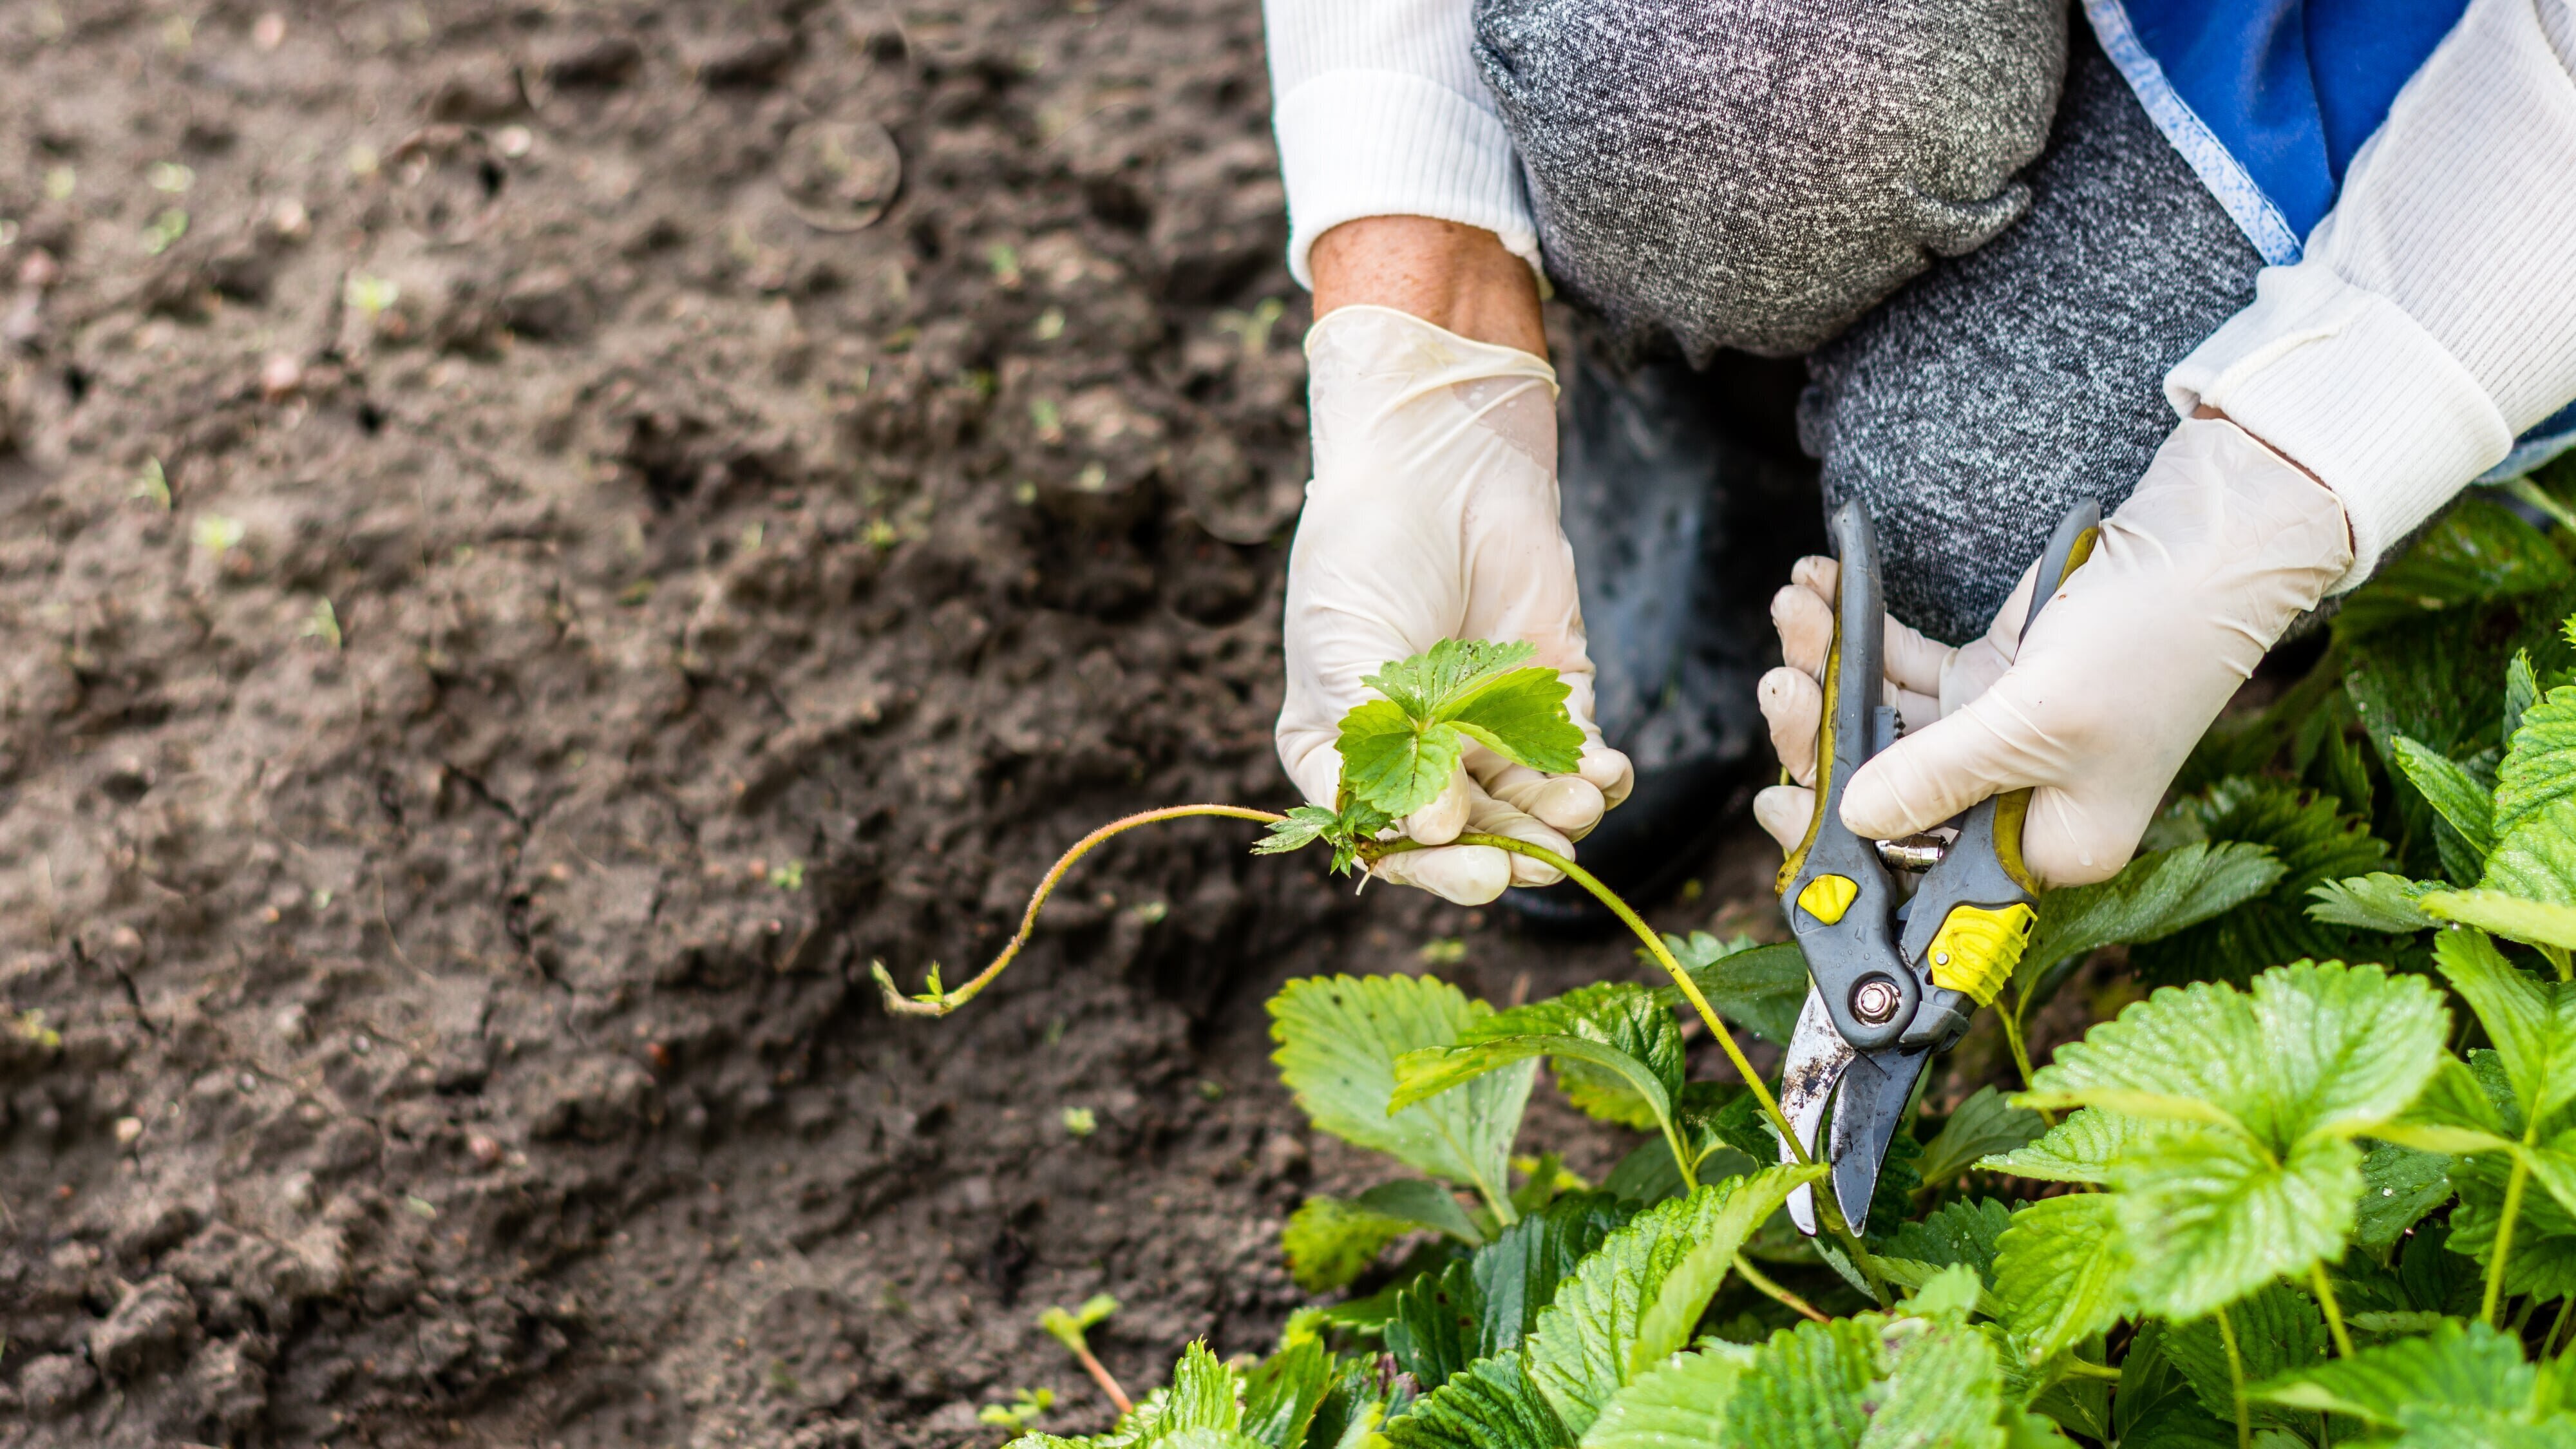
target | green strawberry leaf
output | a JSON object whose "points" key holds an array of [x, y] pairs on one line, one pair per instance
{"points": [[2152, 897], [2531, 1022], [1519, 1272], [1329, 1240], [2472, 1367], [1204, 1396], [1759, 988], [2156, 1407], [2213, 1218], [2080, 1149], [1985, 1125], [1963, 1233], [1393, 763], [1681, 1401], [2313, 841], [1428, 685], [1618, 1053], [2539, 767], [1399, 753], [1942, 1385], [1282, 1393], [2399, 1185], [1809, 1387], [2536, 859], [1339, 1038], [1305, 825], [2478, 551], [2255, 1176], [1492, 1404], [2375, 902], [1637, 1299], [2459, 797], [1522, 717], [1484, 1306], [2061, 1271], [2278, 1331], [2310, 1049], [2510, 915], [1437, 1328], [1876, 1383], [2521, 692]]}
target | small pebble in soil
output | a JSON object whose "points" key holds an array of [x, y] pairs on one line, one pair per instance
{"points": [[280, 376]]}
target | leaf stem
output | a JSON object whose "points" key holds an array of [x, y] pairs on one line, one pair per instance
{"points": [[2021, 1049], [1762, 1283], [943, 1002], [1100, 1375], [2236, 1379], [1654, 946], [2556, 1342], [2333, 1310], [2533, 494], [2513, 1185], [2087, 1369], [2558, 960], [1832, 1210], [1682, 1159]]}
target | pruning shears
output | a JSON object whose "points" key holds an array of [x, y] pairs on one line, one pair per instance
{"points": [[1894, 974]]}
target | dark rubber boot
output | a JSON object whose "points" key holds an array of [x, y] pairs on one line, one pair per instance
{"points": [[1686, 499]]}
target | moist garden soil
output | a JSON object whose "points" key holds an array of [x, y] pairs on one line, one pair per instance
{"points": [[530, 553]]}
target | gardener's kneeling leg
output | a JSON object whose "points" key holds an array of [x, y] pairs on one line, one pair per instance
{"points": [[1978, 404], [1760, 173]]}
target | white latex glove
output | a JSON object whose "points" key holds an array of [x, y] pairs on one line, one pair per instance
{"points": [[2223, 544], [1433, 515]]}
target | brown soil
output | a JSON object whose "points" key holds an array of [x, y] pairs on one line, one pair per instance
{"points": [[512, 605]]}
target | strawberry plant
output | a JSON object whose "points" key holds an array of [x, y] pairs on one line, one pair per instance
{"points": [[2317, 1188]]}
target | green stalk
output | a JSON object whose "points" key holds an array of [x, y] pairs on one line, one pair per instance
{"points": [[2533, 494], [1831, 1210], [939, 1003], [2513, 1185], [1762, 1284], [1682, 1158], [2333, 1310], [2556, 1342], [1654, 946], [2236, 1380], [2021, 1049], [2077, 1368], [936, 1002]]}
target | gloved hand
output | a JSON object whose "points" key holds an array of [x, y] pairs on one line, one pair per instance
{"points": [[1433, 515], [2223, 544]]}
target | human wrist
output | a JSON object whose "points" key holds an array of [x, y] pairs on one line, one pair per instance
{"points": [[1458, 278]]}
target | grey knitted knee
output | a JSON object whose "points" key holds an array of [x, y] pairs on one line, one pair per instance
{"points": [[1759, 173], [1974, 407]]}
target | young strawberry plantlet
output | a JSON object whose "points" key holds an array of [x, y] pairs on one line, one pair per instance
{"points": [[1071, 1327], [1398, 753]]}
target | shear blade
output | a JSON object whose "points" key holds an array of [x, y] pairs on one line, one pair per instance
{"points": [[1818, 1057], [1875, 1088]]}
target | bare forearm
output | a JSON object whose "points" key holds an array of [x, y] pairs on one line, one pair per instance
{"points": [[1455, 277]]}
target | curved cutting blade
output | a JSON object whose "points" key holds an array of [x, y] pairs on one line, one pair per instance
{"points": [[1876, 1087], [1817, 1058]]}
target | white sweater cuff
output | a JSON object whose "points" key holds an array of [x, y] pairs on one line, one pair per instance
{"points": [[2345, 382], [1355, 143]]}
